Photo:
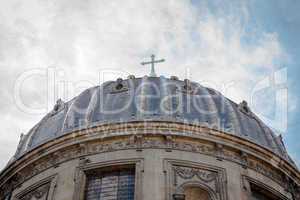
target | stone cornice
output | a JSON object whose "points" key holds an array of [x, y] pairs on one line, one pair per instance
{"points": [[221, 145]]}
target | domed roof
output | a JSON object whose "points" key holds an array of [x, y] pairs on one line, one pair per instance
{"points": [[151, 99]]}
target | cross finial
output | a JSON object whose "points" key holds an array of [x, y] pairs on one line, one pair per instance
{"points": [[152, 62]]}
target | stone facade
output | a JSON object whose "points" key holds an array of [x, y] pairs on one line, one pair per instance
{"points": [[168, 157]]}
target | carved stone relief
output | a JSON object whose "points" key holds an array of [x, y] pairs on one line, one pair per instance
{"points": [[43, 190], [40, 193], [182, 175], [140, 142]]}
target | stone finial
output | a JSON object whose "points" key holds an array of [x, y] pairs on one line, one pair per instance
{"points": [[21, 136], [174, 78], [59, 104], [243, 106], [187, 85], [280, 139], [119, 80], [131, 77], [119, 84]]}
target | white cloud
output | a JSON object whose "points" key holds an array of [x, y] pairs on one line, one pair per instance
{"points": [[82, 37]]}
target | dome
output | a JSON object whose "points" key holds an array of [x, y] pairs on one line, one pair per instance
{"points": [[151, 99]]}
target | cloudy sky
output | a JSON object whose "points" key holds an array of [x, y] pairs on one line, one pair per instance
{"points": [[246, 49]]}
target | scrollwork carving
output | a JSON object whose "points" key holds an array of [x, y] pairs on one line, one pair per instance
{"points": [[188, 173], [140, 142], [38, 193]]}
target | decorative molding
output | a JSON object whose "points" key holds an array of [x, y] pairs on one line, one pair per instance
{"points": [[219, 151], [189, 173], [161, 127], [244, 159], [169, 142], [43, 190], [181, 174], [38, 193]]}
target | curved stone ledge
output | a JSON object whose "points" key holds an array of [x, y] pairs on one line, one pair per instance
{"points": [[149, 135]]}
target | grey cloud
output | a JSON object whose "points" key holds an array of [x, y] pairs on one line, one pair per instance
{"points": [[83, 37]]}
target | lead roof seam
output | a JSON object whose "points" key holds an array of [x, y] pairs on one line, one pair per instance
{"points": [[65, 118]]}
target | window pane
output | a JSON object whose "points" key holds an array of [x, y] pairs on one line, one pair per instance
{"points": [[111, 185]]}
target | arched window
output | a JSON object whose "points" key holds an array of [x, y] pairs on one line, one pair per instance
{"points": [[195, 193]]}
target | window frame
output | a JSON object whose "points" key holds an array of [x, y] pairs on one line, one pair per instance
{"points": [[51, 180], [83, 170], [248, 181]]}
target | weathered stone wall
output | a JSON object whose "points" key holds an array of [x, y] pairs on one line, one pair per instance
{"points": [[154, 173], [165, 164]]}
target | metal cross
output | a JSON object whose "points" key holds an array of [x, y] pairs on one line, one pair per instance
{"points": [[152, 74]]}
